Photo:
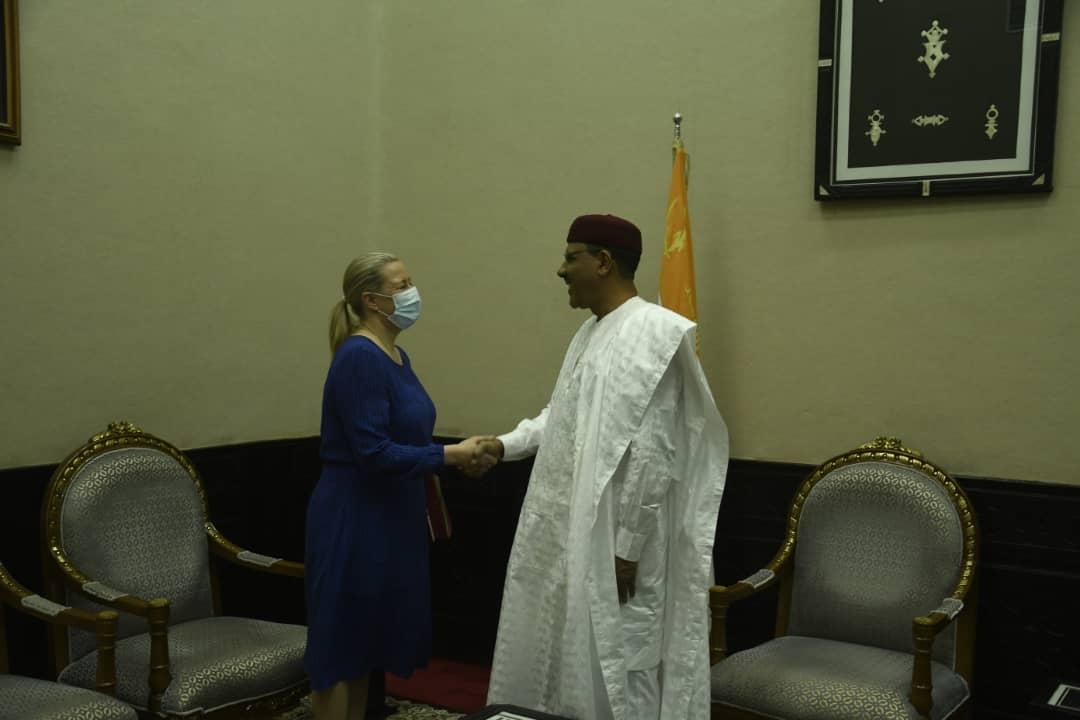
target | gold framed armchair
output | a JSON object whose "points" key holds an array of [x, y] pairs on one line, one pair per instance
{"points": [[126, 528], [23, 698], [876, 616]]}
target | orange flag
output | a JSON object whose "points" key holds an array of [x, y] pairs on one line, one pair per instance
{"points": [[677, 289]]}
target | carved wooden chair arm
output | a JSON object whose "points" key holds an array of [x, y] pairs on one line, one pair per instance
{"points": [[103, 594], [726, 595], [22, 599], [721, 597], [156, 612], [924, 629], [940, 617], [102, 624], [230, 552]]}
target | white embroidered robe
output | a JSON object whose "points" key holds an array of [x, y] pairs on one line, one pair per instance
{"points": [[631, 456]]}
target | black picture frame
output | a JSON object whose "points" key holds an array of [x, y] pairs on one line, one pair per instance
{"points": [[10, 121], [941, 82]]}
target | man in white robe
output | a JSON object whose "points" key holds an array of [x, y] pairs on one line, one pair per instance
{"points": [[605, 607]]}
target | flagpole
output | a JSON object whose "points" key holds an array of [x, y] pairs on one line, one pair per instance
{"points": [[677, 143]]}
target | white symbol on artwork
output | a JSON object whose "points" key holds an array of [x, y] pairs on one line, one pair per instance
{"points": [[991, 122], [925, 120], [935, 47], [876, 130]]}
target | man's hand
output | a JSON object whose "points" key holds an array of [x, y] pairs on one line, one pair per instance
{"points": [[625, 579], [486, 452]]}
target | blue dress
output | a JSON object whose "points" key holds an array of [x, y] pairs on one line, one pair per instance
{"points": [[366, 580]]}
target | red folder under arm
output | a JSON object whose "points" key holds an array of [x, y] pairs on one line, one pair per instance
{"points": [[438, 518]]}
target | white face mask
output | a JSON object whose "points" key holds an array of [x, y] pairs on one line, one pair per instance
{"points": [[406, 307]]}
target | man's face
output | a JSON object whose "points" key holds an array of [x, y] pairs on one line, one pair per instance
{"points": [[579, 272]]}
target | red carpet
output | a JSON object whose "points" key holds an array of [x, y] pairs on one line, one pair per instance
{"points": [[452, 685]]}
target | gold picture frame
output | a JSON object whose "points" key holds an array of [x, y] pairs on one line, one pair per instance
{"points": [[10, 126]]}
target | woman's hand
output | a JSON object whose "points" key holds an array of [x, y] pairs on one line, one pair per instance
{"points": [[491, 449], [474, 456]]}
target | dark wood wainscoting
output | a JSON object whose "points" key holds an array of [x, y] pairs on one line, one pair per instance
{"points": [[1029, 572]]}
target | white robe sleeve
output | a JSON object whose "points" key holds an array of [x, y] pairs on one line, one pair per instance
{"points": [[524, 440], [644, 475]]}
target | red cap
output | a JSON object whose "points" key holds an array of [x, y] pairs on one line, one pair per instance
{"points": [[606, 231]]}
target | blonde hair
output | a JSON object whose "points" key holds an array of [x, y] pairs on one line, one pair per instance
{"points": [[364, 274]]}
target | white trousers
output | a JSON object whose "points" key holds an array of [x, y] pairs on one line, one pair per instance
{"points": [[642, 693]]}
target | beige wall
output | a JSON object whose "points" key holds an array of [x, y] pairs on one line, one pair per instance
{"points": [[192, 177], [193, 181]]}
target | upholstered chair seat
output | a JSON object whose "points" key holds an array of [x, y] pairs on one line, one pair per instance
{"points": [[815, 679], [23, 698], [128, 529], [215, 662], [874, 620]]}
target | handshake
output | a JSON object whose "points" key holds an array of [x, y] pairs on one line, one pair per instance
{"points": [[474, 456]]}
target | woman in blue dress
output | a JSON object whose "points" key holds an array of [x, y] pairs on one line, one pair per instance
{"points": [[366, 557]]}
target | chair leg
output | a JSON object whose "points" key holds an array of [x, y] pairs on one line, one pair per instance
{"points": [[160, 675]]}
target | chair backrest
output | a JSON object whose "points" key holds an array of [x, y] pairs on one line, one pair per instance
{"points": [[881, 538], [128, 511]]}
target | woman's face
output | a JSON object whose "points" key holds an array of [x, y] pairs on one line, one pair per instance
{"points": [[395, 279]]}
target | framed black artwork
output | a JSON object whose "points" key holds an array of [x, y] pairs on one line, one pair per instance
{"points": [[9, 72], [926, 98]]}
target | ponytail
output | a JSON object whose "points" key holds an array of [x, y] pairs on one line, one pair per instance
{"points": [[340, 325]]}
